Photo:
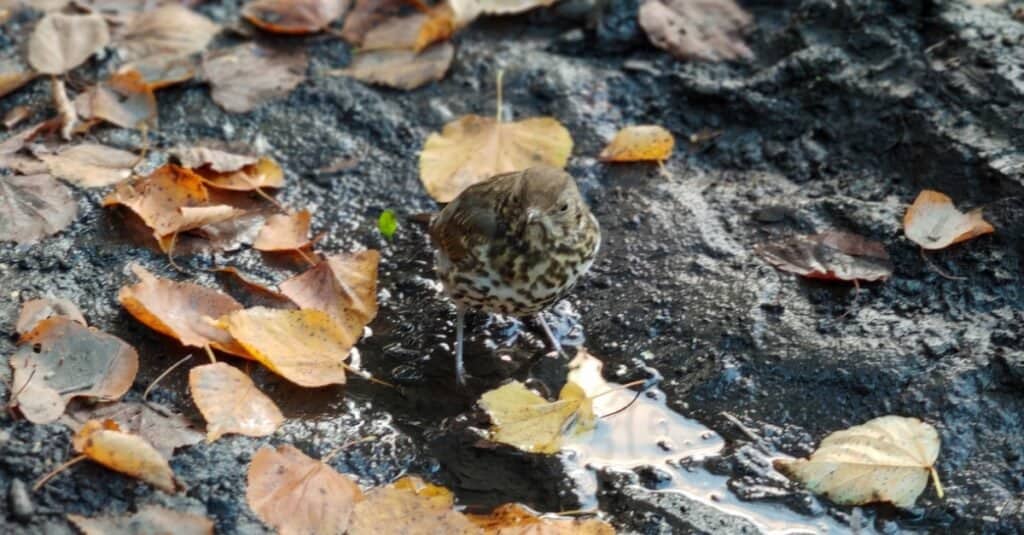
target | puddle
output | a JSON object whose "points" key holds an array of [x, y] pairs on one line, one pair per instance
{"points": [[648, 433]]}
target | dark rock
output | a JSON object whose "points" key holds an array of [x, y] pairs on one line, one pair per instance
{"points": [[20, 501]]}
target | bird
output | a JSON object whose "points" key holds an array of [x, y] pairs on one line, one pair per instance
{"points": [[513, 244]]}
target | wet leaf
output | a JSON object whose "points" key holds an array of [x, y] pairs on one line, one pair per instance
{"points": [[257, 293], [151, 519], [401, 69], [157, 197], [934, 223], [643, 143], [517, 519], [249, 75], [888, 459], [231, 403], [216, 160], [344, 286], [37, 310], [126, 100], [387, 223], [830, 255], [411, 32], [410, 507], [181, 310], [522, 418], [90, 165], [169, 30], [294, 17], [104, 443], [33, 207], [164, 429], [62, 42], [472, 149], [706, 30], [265, 173], [307, 347], [296, 494], [62, 359], [284, 232]]}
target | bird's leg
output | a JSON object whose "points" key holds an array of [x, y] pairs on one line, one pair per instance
{"points": [[551, 336], [460, 368]]}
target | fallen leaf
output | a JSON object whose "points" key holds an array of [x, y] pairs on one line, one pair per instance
{"points": [[90, 165], [126, 100], [37, 310], [169, 30], [468, 10], [150, 520], [196, 218], [409, 507], [231, 403], [517, 519], [706, 30], [472, 149], [401, 69], [15, 115], [887, 459], [934, 223], [307, 347], [265, 173], [61, 359], [248, 75], [344, 286], [62, 42], [258, 293], [164, 429], [33, 207], [524, 419], [411, 32], [158, 72], [117, 12], [296, 494], [284, 232], [13, 76], [157, 197], [181, 310], [17, 141], [830, 255], [643, 143], [104, 443], [366, 14], [216, 160], [294, 17]]}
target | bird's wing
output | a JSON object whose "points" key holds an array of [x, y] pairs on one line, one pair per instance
{"points": [[466, 221]]}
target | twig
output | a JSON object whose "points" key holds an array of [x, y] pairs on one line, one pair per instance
{"points": [[366, 375], [501, 77], [331, 454], [209, 353], [53, 473], [65, 109], [736, 421], [939, 270], [632, 401], [160, 377]]}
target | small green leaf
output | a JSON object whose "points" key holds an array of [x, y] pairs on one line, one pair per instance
{"points": [[387, 223]]}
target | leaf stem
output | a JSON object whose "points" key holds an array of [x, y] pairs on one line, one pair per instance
{"points": [[53, 473], [935, 480], [160, 377], [501, 78]]}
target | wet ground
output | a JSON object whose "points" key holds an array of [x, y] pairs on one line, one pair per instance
{"points": [[849, 110]]}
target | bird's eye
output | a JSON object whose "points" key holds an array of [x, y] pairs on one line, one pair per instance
{"points": [[564, 207]]}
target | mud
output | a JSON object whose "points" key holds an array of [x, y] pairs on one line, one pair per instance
{"points": [[850, 108]]}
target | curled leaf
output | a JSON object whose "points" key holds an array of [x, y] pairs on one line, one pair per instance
{"points": [[157, 197], [164, 429], [517, 519], [37, 310], [218, 161], [158, 72], [830, 255], [643, 143], [62, 42], [248, 75], [33, 207], [151, 519], [264, 173], [344, 286], [409, 505], [126, 100], [522, 418], [231, 403], [413, 32], [284, 232], [934, 223], [365, 15], [106, 444], [293, 17]]}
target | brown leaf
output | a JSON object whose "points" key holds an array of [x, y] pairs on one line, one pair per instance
{"points": [[90, 165], [181, 310], [517, 519], [641, 143], [830, 255], [157, 197], [104, 443], [934, 223], [706, 30], [257, 293], [344, 286], [15, 115], [216, 160], [284, 232], [296, 494], [62, 42], [150, 520], [13, 76], [170, 30], [294, 17], [411, 32], [409, 506], [37, 310], [17, 141], [265, 173], [248, 75], [401, 69], [126, 100], [231, 403], [158, 72], [164, 429], [366, 14], [468, 10], [61, 359], [33, 207]]}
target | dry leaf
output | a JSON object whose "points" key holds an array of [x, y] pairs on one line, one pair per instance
{"points": [[15, 115], [474, 148], [248, 75], [643, 143], [522, 418], [468, 10], [401, 69], [62, 42], [294, 17], [231, 403], [830, 256], [284, 232], [157, 197], [707, 30], [344, 286], [409, 507], [296, 494], [90, 165], [265, 173], [164, 429], [257, 293], [150, 520], [412, 32], [126, 100], [37, 310], [216, 160], [158, 72], [169, 30], [307, 347], [13, 76], [17, 141], [181, 310], [104, 443], [887, 459], [33, 207], [934, 223], [517, 519], [61, 359], [366, 14]]}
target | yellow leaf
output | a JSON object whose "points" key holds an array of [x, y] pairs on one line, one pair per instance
{"points": [[231, 403], [643, 143], [265, 173], [934, 223], [284, 232], [344, 286], [516, 519], [522, 418], [400, 69], [409, 507], [129, 454]]}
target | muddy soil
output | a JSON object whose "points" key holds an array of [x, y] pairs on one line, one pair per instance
{"points": [[850, 109]]}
